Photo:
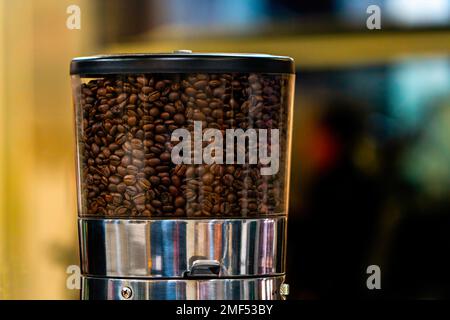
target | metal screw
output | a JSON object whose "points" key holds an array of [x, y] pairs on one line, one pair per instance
{"points": [[126, 292], [284, 289]]}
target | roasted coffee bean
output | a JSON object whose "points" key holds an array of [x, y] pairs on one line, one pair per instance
{"points": [[132, 121], [131, 190], [112, 187], [139, 154], [155, 180], [176, 181], [179, 212], [165, 156], [153, 162], [144, 184], [217, 113], [114, 160], [160, 129], [190, 195], [106, 172], [115, 179], [208, 178], [190, 91], [126, 146], [139, 199], [122, 171], [133, 170], [126, 160], [166, 181], [198, 115], [217, 170], [179, 119], [228, 179], [190, 172], [137, 143], [120, 211], [121, 187], [126, 128], [129, 180], [159, 138], [156, 203]]}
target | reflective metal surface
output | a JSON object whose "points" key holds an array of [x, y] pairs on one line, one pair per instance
{"points": [[169, 248], [180, 289]]}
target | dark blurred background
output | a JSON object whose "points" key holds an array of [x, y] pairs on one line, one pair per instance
{"points": [[370, 180]]}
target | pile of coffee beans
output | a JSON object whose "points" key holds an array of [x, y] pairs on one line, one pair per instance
{"points": [[124, 126]]}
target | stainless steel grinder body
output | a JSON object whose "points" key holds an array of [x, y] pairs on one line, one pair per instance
{"points": [[147, 235]]}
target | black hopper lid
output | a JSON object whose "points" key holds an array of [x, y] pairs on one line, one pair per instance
{"points": [[182, 61]]}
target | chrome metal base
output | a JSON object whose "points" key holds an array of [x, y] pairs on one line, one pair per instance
{"points": [[173, 248], [264, 288]]}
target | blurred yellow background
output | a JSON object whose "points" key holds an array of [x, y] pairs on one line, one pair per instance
{"points": [[38, 219], [38, 237]]}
